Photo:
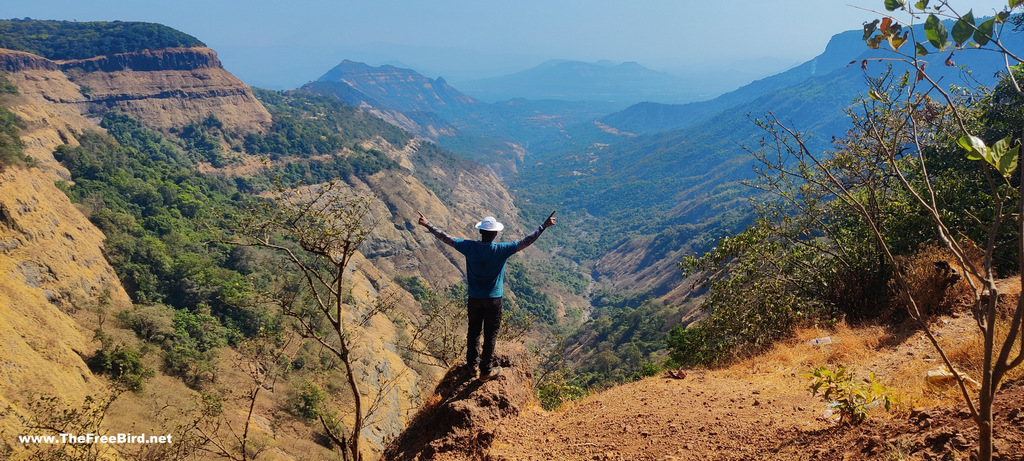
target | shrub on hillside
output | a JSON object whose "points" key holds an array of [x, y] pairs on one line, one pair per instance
{"points": [[936, 280], [152, 322], [11, 147], [122, 363]]}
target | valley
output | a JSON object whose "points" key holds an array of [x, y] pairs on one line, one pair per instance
{"points": [[163, 260]]}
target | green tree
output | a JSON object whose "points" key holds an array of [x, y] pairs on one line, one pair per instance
{"points": [[83, 40], [998, 156], [900, 132]]}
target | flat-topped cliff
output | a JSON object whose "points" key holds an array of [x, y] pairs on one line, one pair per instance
{"points": [[166, 88]]}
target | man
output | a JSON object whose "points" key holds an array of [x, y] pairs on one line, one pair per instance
{"points": [[485, 274]]}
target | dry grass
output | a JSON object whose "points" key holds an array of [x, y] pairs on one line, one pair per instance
{"points": [[938, 283], [796, 355], [900, 360]]}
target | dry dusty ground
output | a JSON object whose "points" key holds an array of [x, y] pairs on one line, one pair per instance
{"points": [[761, 409]]}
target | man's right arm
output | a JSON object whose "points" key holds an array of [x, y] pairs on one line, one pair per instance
{"points": [[440, 234]]}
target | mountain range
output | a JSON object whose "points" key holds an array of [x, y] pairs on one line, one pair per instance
{"points": [[669, 175], [624, 84], [653, 182]]}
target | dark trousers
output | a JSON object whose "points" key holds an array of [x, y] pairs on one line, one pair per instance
{"points": [[483, 313]]}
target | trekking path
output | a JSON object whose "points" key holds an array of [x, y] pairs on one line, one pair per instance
{"points": [[697, 417], [761, 408]]}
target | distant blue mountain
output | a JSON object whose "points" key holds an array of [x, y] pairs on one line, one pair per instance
{"points": [[396, 88], [433, 109], [843, 50], [654, 195], [624, 83]]}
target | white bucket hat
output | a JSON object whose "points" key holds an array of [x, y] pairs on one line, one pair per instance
{"points": [[490, 224]]}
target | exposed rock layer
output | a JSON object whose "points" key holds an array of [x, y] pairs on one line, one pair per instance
{"points": [[167, 88]]}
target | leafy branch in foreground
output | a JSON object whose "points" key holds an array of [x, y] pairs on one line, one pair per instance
{"points": [[1002, 157]]}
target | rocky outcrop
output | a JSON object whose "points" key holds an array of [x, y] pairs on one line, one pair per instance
{"points": [[166, 59], [167, 88], [19, 61], [459, 420]]}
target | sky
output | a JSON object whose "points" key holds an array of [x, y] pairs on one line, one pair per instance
{"points": [[282, 44]]}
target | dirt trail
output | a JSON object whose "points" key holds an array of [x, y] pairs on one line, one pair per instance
{"points": [[762, 409], [696, 417]]}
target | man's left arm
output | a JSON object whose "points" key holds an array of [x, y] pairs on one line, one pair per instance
{"points": [[529, 239]]}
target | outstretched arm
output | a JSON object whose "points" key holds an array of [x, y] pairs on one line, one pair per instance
{"points": [[440, 234], [529, 239]]}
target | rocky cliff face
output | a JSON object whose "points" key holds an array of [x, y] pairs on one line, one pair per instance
{"points": [[52, 270], [167, 88]]}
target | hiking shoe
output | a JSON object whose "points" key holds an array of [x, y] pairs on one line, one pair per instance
{"points": [[489, 375]]}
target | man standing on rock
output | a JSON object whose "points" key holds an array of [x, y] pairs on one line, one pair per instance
{"points": [[485, 272]]}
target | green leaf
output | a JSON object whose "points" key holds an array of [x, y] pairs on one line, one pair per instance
{"points": [[974, 145], [936, 32], [870, 28], [921, 5], [984, 32], [1002, 16], [1014, 3], [892, 5], [921, 50], [963, 28], [1006, 158]]}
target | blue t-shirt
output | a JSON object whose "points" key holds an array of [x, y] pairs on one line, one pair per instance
{"points": [[485, 265]]}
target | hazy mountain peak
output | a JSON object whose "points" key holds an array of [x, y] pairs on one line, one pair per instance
{"points": [[393, 87], [569, 80]]}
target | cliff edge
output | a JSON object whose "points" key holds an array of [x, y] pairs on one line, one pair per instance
{"points": [[459, 420], [166, 88]]}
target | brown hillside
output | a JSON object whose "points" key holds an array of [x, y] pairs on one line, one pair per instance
{"points": [[51, 268], [167, 88]]}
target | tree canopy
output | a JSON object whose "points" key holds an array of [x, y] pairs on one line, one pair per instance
{"points": [[60, 40]]}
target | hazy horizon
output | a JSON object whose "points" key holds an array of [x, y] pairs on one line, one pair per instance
{"points": [[283, 45]]}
